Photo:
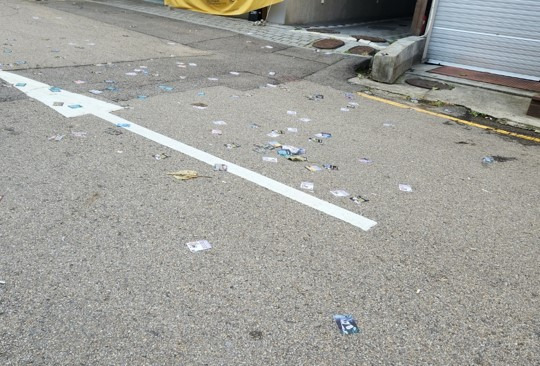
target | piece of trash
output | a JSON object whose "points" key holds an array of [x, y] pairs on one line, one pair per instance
{"points": [[330, 167], [197, 246], [254, 125], [307, 186], [323, 135], [274, 144], [260, 149], [55, 89], [213, 79], [340, 193], [219, 123], [161, 156], [314, 168], [269, 159], [78, 134], [260, 23], [291, 113], [353, 105], [56, 138], [232, 145], [405, 188], [216, 132], [171, 43], [220, 167], [272, 73], [113, 131], [292, 129], [75, 106], [271, 85], [305, 119], [234, 73], [201, 94], [192, 64], [166, 88], [58, 104], [358, 199], [110, 81], [199, 105], [313, 139], [274, 133], [2, 282], [20, 62], [349, 96], [365, 161], [123, 124], [94, 91], [269, 47], [487, 160], [316, 97], [131, 73], [346, 324], [345, 109], [284, 153], [264, 148], [112, 88], [293, 150], [184, 174], [142, 97], [414, 100], [79, 82], [296, 158], [502, 159], [388, 124], [20, 84]]}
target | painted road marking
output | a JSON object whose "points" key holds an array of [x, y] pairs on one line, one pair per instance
{"points": [[458, 120], [102, 110], [41, 92]]}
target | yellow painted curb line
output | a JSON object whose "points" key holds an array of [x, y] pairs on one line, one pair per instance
{"points": [[468, 123]]}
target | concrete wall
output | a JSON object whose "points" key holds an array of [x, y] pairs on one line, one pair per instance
{"points": [[276, 13], [331, 11]]}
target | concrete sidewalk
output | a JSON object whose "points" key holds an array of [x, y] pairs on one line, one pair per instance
{"points": [[507, 106]]}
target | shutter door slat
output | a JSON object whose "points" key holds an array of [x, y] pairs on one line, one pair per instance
{"points": [[500, 36]]}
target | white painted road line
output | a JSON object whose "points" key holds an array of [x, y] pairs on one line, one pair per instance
{"points": [[102, 110], [41, 92]]}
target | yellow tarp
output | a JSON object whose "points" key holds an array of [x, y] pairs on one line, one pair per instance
{"points": [[221, 7]]}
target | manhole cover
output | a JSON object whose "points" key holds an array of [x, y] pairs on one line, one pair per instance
{"points": [[328, 44], [363, 51], [428, 84], [369, 38], [323, 30]]}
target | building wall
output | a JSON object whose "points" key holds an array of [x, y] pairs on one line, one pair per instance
{"points": [[331, 11]]}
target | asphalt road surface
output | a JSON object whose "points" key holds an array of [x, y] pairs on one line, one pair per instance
{"points": [[93, 258]]}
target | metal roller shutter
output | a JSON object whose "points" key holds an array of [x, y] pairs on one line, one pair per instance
{"points": [[497, 36]]}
